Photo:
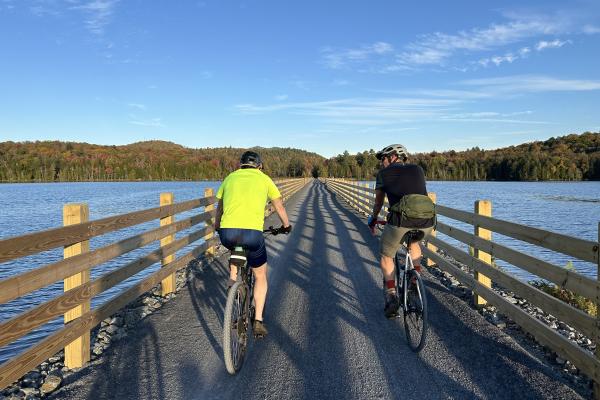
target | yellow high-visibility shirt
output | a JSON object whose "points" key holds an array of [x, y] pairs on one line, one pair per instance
{"points": [[245, 193]]}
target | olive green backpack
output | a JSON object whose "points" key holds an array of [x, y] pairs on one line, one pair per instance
{"points": [[412, 206]]}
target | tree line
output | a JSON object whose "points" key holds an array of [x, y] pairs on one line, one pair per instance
{"points": [[567, 158], [54, 161], [571, 157]]}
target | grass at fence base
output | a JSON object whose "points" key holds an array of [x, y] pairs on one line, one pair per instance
{"points": [[567, 296]]}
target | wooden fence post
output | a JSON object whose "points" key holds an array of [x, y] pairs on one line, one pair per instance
{"points": [[482, 207], [208, 192], [431, 247], [77, 353], [167, 284], [597, 338], [367, 195]]}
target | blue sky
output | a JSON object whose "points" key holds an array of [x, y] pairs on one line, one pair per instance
{"points": [[324, 76]]}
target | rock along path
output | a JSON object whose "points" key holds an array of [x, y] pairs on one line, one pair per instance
{"points": [[328, 336]]}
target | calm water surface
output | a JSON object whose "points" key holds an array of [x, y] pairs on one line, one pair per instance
{"points": [[33, 207], [568, 208]]}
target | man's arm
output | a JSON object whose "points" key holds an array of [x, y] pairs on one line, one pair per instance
{"points": [[280, 210], [379, 198], [219, 215]]}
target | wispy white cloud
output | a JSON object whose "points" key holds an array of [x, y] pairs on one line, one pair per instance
{"points": [[336, 59], [152, 122], [497, 60], [42, 8], [429, 105], [137, 106], [281, 97], [356, 111], [301, 84], [98, 13], [340, 82], [591, 29], [448, 50], [519, 84], [523, 52], [543, 44], [463, 95], [6, 5], [397, 112]]}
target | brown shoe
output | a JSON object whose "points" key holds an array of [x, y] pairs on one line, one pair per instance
{"points": [[259, 329]]}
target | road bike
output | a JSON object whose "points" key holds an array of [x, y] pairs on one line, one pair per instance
{"points": [[239, 310], [411, 292]]}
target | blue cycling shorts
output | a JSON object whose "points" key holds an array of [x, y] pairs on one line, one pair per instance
{"points": [[251, 240]]}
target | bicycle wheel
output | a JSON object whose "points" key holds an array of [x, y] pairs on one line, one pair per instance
{"points": [[235, 327], [415, 312]]}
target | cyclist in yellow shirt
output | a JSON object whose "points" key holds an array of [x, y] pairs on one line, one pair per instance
{"points": [[240, 219]]}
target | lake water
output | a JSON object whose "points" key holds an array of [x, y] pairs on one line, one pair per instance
{"points": [[34, 207], [568, 208]]}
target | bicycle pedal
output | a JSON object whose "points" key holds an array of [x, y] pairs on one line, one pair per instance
{"points": [[392, 315]]}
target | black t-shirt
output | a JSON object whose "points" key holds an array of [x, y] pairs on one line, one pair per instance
{"points": [[397, 179]]}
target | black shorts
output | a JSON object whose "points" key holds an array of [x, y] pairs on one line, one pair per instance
{"points": [[251, 240]]}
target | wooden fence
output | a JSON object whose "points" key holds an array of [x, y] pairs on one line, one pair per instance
{"points": [[362, 198], [75, 268]]}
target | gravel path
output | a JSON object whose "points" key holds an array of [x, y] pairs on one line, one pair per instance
{"points": [[328, 336]]}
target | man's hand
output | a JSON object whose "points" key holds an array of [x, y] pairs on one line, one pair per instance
{"points": [[372, 222]]}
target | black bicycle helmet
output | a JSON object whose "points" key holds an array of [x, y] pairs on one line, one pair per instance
{"points": [[250, 159], [392, 149]]}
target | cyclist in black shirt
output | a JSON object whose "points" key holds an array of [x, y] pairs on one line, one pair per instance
{"points": [[396, 179]]}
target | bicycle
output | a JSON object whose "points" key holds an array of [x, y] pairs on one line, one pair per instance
{"points": [[411, 290], [239, 310]]}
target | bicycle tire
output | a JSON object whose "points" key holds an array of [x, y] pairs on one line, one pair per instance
{"points": [[235, 336], [415, 312]]}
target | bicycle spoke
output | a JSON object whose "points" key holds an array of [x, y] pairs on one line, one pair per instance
{"points": [[415, 313], [235, 327]]}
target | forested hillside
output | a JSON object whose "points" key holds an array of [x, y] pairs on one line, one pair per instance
{"points": [[153, 160], [572, 157]]}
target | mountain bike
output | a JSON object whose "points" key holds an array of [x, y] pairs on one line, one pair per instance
{"points": [[411, 291], [239, 310]]}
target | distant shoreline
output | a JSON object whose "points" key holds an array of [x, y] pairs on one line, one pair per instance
{"points": [[284, 177]]}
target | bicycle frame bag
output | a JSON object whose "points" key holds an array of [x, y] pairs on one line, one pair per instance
{"points": [[413, 211]]}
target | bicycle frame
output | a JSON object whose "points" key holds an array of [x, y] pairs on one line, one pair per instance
{"points": [[246, 276], [239, 309], [402, 274]]}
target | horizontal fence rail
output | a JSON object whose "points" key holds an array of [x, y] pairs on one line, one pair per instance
{"points": [[25, 245], [74, 302], [484, 270]]}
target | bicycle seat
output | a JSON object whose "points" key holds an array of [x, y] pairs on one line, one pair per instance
{"points": [[413, 236], [238, 256]]}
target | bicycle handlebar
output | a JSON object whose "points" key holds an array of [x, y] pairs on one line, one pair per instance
{"points": [[378, 222], [277, 231]]}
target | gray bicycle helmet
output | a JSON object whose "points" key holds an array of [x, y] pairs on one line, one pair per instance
{"points": [[250, 159], [392, 149]]}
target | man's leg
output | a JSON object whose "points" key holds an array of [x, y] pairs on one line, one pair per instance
{"points": [[232, 272], [387, 267], [260, 290], [415, 253]]}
